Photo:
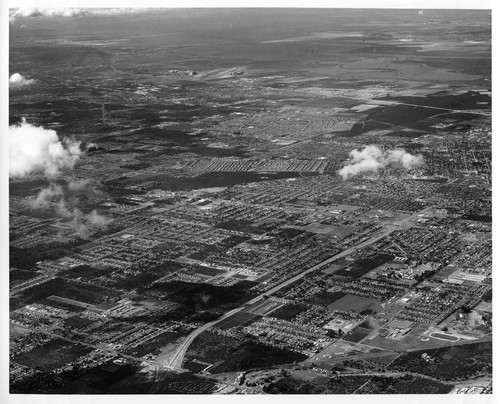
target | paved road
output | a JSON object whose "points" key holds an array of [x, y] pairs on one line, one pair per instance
{"points": [[178, 357], [175, 363]]}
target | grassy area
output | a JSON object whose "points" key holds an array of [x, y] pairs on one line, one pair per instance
{"points": [[458, 362], [319, 385], [364, 265], [404, 385], [52, 355], [325, 298], [289, 311], [357, 304], [357, 334]]}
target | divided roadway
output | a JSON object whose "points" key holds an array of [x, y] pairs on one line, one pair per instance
{"points": [[176, 360]]}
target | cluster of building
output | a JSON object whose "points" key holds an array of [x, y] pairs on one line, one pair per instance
{"points": [[434, 305], [433, 221], [290, 335], [281, 165]]}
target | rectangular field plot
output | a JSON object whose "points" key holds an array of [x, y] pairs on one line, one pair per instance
{"points": [[289, 311], [356, 303], [325, 298], [238, 320], [357, 334], [321, 228], [362, 266]]}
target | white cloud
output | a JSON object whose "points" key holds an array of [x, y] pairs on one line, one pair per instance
{"points": [[407, 160], [17, 80], [44, 12], [16, 13], [34, 149], [372, 159]]}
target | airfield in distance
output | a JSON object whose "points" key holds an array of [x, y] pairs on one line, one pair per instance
{"points": [[245, 201]]}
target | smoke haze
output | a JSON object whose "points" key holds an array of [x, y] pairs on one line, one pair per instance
{"points": [[64, 201]]}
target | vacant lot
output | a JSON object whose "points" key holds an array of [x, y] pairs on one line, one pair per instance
{"points": [[325, 298], [357, 304], [239, 320], [289, 311], [357, 334], [364, 265]]}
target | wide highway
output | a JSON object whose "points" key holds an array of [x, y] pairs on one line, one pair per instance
{"points": [[176, 360]]}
